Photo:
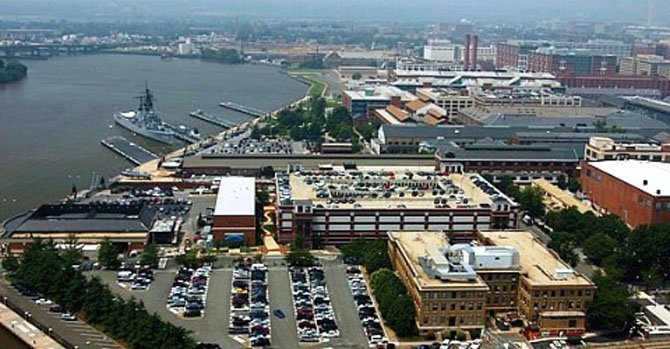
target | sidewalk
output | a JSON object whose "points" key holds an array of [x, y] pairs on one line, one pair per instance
{"points": [[26, 331]]}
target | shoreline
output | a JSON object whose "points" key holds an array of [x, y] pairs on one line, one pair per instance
{"points": [[24, 331], [152, 166]]}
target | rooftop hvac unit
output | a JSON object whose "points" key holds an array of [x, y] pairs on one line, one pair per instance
{"points": [[564, 274]]}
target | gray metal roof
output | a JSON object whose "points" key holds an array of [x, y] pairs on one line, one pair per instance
{"points": [[452, 131], [509, 152], [86, 218], [622, 120]]}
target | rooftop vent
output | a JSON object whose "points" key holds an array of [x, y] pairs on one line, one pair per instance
{"points": [[645, 182]]}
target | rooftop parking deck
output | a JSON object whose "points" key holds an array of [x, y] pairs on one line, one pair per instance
{"points": [[387, 188]]}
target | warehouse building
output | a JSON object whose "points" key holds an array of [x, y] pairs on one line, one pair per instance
{"points": [[637, 191], [235, 211], [128, 226]]}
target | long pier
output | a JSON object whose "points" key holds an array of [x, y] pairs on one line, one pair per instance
{"points": [[129, 150], [244, 109], [199, 114]]}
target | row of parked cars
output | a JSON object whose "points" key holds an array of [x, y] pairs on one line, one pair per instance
{"points": [[41, 301], [188, 294], [249, 304], [137, 277], [367, 312], [311, 303]]}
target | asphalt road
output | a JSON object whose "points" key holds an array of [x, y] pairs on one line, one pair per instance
{"points": [[284, 331], [211, 328], [346, 315], [75, 332]]}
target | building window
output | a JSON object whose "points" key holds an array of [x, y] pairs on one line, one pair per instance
{"points": [[572, 323]]}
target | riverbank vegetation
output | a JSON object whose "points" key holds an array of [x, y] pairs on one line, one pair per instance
{"points": [[223, 55], [43, 269], [12, 71]]}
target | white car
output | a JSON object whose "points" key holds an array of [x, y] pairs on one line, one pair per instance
{"points": [[377, 339], [43, 301], [68, 317]]}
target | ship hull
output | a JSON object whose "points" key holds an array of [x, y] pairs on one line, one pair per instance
{"points": [[158, 136]]}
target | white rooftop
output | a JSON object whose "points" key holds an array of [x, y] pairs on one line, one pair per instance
{"points": [[236, 197], [636, 172]]}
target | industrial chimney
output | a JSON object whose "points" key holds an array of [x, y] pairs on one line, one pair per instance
{"points": [[466, 58], [475, 44]]}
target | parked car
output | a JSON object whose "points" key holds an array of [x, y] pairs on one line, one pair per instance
{"points": [[68, 317]]}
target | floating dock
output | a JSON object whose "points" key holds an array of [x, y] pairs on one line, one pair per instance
{"points": [[129, 150], [244, 109], [199, 114]]}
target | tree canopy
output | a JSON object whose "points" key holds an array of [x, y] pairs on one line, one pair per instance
{"points": [[394, 302], [44, 270], [12, 71], [609, 309]]}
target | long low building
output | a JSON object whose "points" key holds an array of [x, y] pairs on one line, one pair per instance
{"points": [[457, 286], [538, 161], [254, 164], [336, 207], [129, 226]]}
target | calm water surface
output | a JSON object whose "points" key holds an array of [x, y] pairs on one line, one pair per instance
{"points": [[51, 123]]}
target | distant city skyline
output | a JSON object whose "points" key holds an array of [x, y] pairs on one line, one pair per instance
{"points": [[500, 11]]}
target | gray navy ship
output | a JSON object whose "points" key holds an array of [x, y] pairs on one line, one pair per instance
{"points": [[145, 121]]}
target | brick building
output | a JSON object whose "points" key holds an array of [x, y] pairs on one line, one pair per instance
{"points": [[235, 210], [457, 286], [338, 206], [620, 82], [637, 191]]}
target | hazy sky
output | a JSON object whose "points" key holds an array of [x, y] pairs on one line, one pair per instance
{"points": [[406, 10]]}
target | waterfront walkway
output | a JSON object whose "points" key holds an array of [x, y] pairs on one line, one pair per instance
{"points": [[75, 333], [26, 331]]}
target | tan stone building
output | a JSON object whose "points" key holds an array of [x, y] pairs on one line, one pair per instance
{"points": [[456, 286]]}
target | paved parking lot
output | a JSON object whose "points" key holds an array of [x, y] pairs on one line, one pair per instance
{"points": [[211, 328], [351, 330], [283, 330], [75, 332]]}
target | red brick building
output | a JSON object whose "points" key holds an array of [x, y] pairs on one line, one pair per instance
{"points": [[618, 81], [636, 191], [235, 211]]}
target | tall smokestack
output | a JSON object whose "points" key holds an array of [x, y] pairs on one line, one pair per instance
{"points": [[466, 59], [474, 52]]}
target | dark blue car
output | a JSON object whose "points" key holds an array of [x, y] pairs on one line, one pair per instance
{"points": [[278, 313]]}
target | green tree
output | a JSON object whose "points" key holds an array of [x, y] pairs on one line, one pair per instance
{"points": [[256, 133], [10, 263], [188, 259], [574, 185], [108, 255], [149, 255], [598, 247], [356, 76], [376, 256], [563, 244], [609, 309], [72, 252], [531, 199]]}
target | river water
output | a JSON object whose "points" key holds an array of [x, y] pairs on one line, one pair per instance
{"points": [[51, 123]]}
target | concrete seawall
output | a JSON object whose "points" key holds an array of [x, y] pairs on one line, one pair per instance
{"points": [[26, 331]]}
